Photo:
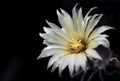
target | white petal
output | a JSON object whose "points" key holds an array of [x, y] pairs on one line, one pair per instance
{"points": [[97, 20], [57, 62], [71, 65], [93, 44], [52, 25], [55, 65], [47, 30], [58, 31], [101, 29], [54, 59], [92, 23], [81, 27], [103, 40], [91, 53], [66, 22], [75, 17], [87, 20], [97, 36], [64, 63], [83, 63], [80, 61], [51, 50], [77, 21], [80, 16], [97, 41], [54, 38], [86, 16], [105, 43], [77, 62], [63, 30]]}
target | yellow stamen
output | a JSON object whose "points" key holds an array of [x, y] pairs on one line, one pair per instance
{"points": [[77, 45]]}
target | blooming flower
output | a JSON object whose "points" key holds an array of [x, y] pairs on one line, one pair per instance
{"points": [[75, 41]]}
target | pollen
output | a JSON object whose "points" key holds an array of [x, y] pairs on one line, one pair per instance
{"points": [[77, 45]]}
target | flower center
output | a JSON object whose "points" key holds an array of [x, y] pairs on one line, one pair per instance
{"points": [[77, 45]]}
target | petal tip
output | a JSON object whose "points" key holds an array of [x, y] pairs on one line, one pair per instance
{"points": [[39, 57], [58, 13]]}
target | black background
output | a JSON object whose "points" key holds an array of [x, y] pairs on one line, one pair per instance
{"points": [[30, 19]]}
